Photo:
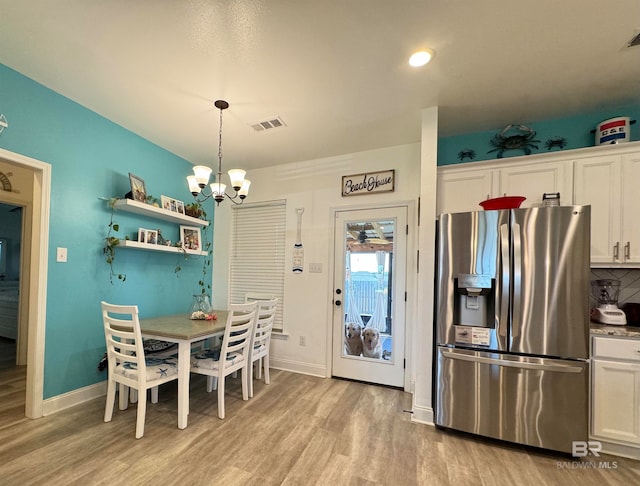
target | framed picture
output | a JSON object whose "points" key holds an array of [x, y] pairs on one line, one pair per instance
{"points": [[191, 238], [172, 205], [151, 237], [165, 202], [138, 190], [148, 236], [180, 206]]}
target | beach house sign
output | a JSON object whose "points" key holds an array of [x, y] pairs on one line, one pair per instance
{"points": [[368, 183]]}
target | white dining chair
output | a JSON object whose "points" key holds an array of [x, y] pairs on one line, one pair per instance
{"points": [[127, 364], [154, 348], [232, 356], [261, 341]]}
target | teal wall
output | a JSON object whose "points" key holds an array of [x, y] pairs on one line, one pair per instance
{"points": [[91, 158], [576, 130]]}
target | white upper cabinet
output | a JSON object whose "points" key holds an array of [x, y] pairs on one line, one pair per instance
{"points": [[533, 180], [610, 184], [461, 188], [606, 177], [631, 208], [597, 183]]}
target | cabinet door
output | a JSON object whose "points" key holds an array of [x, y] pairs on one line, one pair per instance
{"points": [[462, 190], [616, 401], [532, 181], [597, 182], [630, 208]]}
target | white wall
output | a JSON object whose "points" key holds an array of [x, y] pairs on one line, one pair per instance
{"points": [[423, 342], [315, 185]]}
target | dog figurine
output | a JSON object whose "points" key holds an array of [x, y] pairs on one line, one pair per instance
{"points": [[353, 339], [371, 345]]}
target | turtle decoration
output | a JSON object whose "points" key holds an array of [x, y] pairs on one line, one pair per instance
{"points": [[514, 137]]}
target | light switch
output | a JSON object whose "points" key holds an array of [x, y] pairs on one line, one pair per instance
{"points": [[315, 267], [61, 255]]}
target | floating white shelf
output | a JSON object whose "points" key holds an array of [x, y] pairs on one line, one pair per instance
{"points": [[136, 245], [144, 209]]}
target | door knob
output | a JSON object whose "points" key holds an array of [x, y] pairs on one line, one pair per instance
{"points": [[338, 302]]}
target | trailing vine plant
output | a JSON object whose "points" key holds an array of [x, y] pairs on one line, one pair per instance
{"points": [[205, 287], [196, 210], [111, 243]]}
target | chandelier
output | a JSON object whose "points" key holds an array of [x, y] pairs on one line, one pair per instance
{"points": [[200, 178]]}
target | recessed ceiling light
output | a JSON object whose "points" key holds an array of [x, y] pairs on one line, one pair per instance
{"points": [[421, 58]]}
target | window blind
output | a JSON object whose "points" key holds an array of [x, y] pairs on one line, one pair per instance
{"points": [[257, 253]]}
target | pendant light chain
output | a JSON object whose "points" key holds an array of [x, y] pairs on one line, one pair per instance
{"points": [[220, 148], [200, 178]]}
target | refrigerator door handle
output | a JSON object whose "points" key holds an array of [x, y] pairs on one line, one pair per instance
{"points": [[557, 367], [506, 281], [517, 281]]}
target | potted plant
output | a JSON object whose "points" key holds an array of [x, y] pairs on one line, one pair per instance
{"points": [[195, 210]]}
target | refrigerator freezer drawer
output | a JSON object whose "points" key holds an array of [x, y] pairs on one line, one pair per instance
{"points": [[540, 402]]}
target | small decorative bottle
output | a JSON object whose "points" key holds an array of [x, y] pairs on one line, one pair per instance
{"points": [[200, 307]]}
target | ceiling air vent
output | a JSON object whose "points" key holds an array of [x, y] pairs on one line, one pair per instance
{"points": [[635, 41], [271, 122]]}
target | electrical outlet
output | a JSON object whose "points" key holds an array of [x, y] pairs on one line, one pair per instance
{"points": [[61, 255], [303, 341]]}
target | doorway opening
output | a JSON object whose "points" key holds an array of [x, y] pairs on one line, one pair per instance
{"points": [[30, 187]]}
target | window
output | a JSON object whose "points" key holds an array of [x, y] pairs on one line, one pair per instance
{"points": [[257, 253]]}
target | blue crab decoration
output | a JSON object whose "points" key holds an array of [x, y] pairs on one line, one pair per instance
{"points": [[559, 142], [522, 140], [467, 154]]}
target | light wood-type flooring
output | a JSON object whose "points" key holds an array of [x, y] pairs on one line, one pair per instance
{"points": [[299, 430]]}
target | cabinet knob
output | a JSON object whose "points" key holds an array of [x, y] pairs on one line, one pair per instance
{"points": [[616, 250], [627, 250]]}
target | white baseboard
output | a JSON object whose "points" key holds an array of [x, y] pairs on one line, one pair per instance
{"points": [[620, 450], [72, 398], [81, 395], [422, 415], [298, 367]]}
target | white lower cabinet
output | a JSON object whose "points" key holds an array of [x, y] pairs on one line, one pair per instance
{"points": [[615, 394]]}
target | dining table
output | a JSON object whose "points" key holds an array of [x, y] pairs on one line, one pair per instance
{"points": [[184, 331]]}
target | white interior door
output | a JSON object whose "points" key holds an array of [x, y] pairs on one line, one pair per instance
{"points": [[369, 295]]}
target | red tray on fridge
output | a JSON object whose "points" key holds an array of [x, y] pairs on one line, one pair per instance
{"points": [[506, 202]]}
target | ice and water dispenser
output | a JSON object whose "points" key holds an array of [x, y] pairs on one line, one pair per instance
{"points": [[474, 307]]}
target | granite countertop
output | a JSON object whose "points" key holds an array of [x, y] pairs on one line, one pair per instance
{"points": [[609, 330]]}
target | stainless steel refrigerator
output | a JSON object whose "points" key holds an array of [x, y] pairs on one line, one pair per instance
{"points": [[512, 325]]}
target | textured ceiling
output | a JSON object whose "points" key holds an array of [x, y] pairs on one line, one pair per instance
{"points": [[335, 71]]}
